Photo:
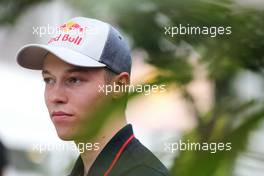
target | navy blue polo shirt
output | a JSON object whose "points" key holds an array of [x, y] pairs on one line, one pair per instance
{"points": [[123, 155]]}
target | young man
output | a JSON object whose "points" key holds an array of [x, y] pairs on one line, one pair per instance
{"points": [[84, 56]]}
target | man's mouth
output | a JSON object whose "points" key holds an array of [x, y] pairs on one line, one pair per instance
{"points": [[60, 116], [60, 113]]}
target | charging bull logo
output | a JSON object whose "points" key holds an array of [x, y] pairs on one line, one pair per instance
{"points": [[71, 33], [71, 25]]}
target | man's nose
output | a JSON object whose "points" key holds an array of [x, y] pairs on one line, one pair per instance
{"points": [[58, 95]]}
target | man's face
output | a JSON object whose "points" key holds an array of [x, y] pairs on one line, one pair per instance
{"points": [[71, 95]]}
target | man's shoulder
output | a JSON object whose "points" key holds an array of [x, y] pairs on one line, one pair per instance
{"points": [[141, 161]]}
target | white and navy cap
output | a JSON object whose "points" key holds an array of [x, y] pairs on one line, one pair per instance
{"points": [[81, 42]]}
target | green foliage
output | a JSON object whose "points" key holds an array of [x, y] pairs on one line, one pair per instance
{"points": [[11, 9], [224, 56]]}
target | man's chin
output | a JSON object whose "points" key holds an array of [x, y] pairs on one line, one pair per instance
{"points": [[69, 134], [66, 136]]}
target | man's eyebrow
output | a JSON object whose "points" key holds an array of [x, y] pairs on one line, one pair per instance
{"points": [[45, 72], [77, 69], [70, 70]]}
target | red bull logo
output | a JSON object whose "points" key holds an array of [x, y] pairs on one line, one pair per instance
{"points": [[66, 38], [67, 29]]}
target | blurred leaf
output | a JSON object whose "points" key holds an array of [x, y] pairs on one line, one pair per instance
{"points": [[10, 10]]}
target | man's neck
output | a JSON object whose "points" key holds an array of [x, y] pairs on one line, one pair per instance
{"points": [[103, 137]]}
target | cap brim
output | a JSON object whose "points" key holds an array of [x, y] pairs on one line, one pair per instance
{"points": [[32, 56]]}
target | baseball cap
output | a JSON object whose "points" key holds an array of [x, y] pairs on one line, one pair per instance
{"points": [[84, 42]]}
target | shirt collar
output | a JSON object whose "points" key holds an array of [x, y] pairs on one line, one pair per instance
{"points": [[107, 155]]}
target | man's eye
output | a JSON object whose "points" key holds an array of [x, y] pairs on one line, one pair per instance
{"points": [[49, 80], [74, 80]]}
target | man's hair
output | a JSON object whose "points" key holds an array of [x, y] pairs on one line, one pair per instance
{"points": [[109, 76]]}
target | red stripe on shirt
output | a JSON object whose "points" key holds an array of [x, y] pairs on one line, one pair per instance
{"points": [[118, 155]]}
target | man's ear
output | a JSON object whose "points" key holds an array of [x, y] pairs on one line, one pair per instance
{"points": [[120, 80]]}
